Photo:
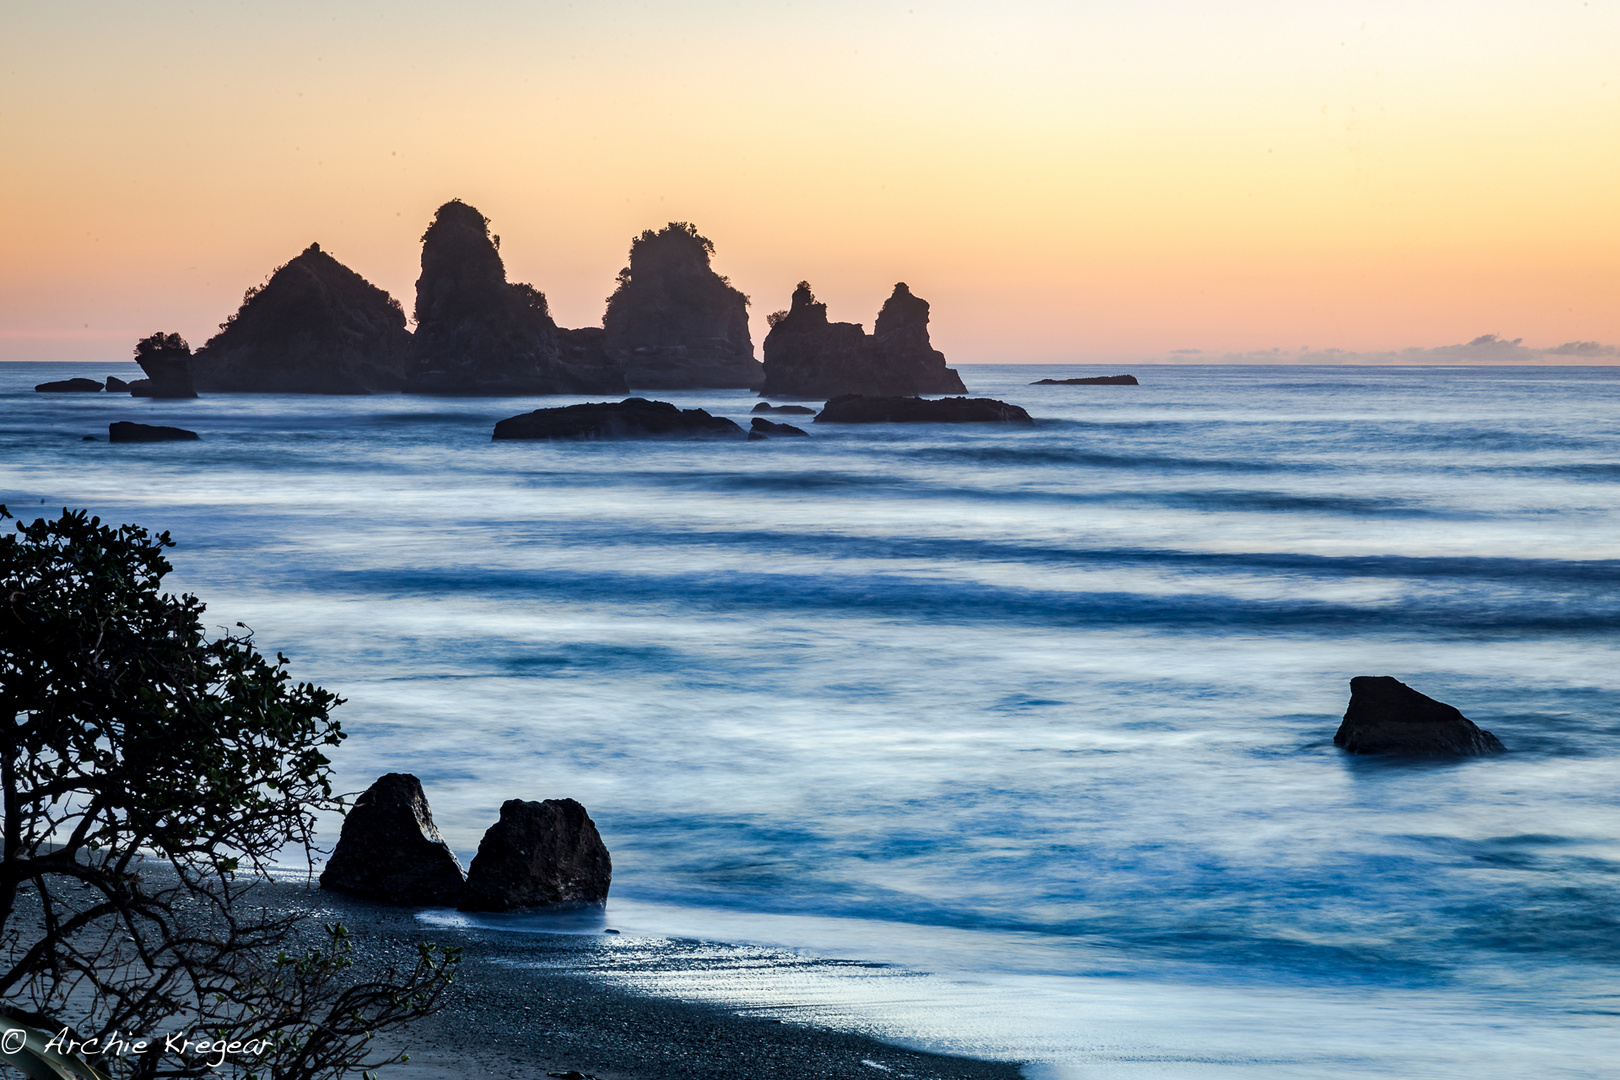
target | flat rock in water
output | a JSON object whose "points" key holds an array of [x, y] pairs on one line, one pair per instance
{"points": [[69, 386], [632, 418], [796, 410], [390, 850], [539, 854], [1095, 380], [1388, 717], [858, 409], [767, 429], [115, 385], [128, 431]]}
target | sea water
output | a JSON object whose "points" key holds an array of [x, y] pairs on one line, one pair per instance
{"points": [[1030, 725]]}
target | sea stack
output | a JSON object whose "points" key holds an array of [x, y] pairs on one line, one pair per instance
{"points": [[675, 324], [166, 359], [477, 333], [1388, 717], [539, 854], [807, 356], [390, 850], [316, 327]]}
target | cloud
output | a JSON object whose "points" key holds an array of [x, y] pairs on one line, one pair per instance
{"points": [[1487, 349]]}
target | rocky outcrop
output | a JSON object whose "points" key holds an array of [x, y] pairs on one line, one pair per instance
{"points": [[539, 854], [166, 359], [390, 850], [69, 386], [477, 333], [1094, 380], [316, 327], [123, 431], [796, 410], [1388, 717], [766, 429], [807, 356], [675, 324], [632, 418], [858, 409], [115, 385]]}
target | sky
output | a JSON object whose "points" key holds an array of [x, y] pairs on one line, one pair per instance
{"points": [[1076, 181]]}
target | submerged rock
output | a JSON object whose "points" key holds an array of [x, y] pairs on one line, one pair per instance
{"points": [[765, 429], [1388, 717], [125, 431], [539, 854], [797, 410], [858, 409], [115, 385], [69, 386], [316, 327], [675, 324], [166, 359], [390, 850], [477, 333], [632, 418], [1094, 380], [807, 356]]}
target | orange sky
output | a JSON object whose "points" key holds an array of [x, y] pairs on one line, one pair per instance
{"points": [[1063, 181]]}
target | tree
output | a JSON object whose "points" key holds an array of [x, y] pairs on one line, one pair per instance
{"points": [[148, 775]]}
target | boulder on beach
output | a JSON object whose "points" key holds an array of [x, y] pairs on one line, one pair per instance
{"points": [[477, 333], [390, 850], [316, 327], [69, 386], [859, 409], [760, 428], [632, 418], [125, 431], [673, 323], [807, 356], [1094, 380], [539, 854], [796, 410], [1388, 717], [115, 385], [166, 359]]}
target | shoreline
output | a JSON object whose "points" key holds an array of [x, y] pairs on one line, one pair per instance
{"points": [[524, 1006]]}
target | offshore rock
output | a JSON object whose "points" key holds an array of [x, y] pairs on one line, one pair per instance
{"points": [[632, 418], [477, 333], [316, 327], [69, 386], [125, 431], [1094, 380], [390, 850], [807, 356], [166, 359], [766, 429], [857, 409], [539, 854], [1388, 717], [673, 323], [115, 385], [798, 410]]}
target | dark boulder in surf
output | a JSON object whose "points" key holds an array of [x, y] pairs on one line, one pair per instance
{"points": [[761, 428], [166, 359], [539, 854], [125, 431], [115, 385], [390, 850], [796, 410], [69, 386], [1388, 717], [632, 418], [673, 323], [808, 357], [1094, 380], [477, 333], [316, 327], [858, 409]]}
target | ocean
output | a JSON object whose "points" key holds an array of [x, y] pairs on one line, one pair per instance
{"points": [[1008, 741]]}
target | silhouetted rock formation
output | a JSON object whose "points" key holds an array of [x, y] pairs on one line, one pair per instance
{"points": [[675, 324], [765, 429], [1095, 380], [632, 418], [857, 409], [476, 333], [316, 327], [69, 386], [797, 410], [807, 356], [539, 854], [126, 431], [390, 850], [1388, 717], [166, 359], [115, 385]]}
